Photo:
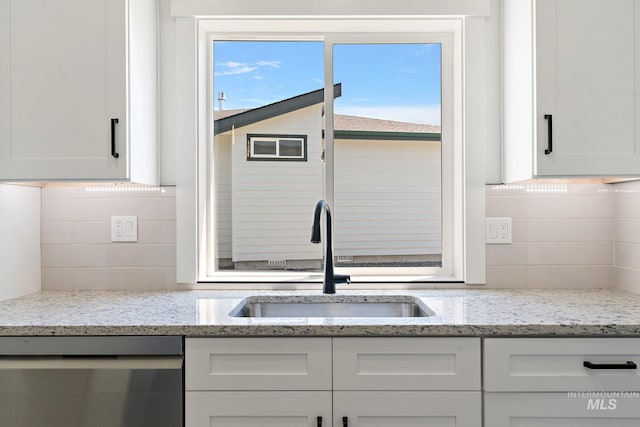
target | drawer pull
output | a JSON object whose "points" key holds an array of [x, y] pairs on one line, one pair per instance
{"points": [[549, 119], [345, 421], [628, 365], [114, 151], [319, 420]]}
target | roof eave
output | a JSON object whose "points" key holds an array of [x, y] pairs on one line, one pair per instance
{"points": [[386, 136], [273, 110]]}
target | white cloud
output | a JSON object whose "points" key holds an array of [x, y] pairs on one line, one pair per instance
{"points": [[272, 64], [233, 68], [423, 114], [424, 49], [258, 77], [232, 64]]}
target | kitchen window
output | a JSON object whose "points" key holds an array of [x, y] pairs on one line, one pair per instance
{"points": [[359, 34], [277, 147], [379, 149]]}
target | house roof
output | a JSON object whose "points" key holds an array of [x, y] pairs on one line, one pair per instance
{"points": [[345, 126], [354, 127], [288, 105], [355, 123]]}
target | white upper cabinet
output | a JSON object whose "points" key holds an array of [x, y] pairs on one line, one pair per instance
{"points": [[78, 90], [570, 88]]}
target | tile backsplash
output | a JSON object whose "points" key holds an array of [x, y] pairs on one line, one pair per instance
{"points": [[77, 252], [564, 235], [627, 236]]}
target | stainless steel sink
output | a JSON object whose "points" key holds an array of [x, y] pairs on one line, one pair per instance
{"points": [[332, 306]]}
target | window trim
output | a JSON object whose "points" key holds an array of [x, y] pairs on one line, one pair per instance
{"points": [[192, 124], [451, 270], [251, 156]]}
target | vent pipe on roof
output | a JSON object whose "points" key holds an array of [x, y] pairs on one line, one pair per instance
{"points": [[221, 98]]}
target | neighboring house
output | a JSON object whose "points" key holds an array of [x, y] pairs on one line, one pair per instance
{"points": [[269, 174]]}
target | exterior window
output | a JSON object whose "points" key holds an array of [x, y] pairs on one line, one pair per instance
{"points": [[318, 118], [277, 147]]}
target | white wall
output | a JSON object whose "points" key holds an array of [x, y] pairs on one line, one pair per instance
{"points": [[329, 7], [273, 201], [223, 216], [387, 198], [19, 241]]}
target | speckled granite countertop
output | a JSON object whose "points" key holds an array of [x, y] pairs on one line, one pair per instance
{"points": [[206, 313]]}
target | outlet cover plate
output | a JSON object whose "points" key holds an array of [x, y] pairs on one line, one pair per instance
{"points": [[124, 228], [498, 231]]}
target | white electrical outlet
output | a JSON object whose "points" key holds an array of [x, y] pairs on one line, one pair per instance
{"points": [[498, 231], [124, 228]]}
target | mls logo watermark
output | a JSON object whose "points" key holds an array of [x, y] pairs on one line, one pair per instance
{"points": [[602, 404], [602, 400]]}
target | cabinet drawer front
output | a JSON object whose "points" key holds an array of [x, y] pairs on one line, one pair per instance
{"points": [[561, 410], [258, 364], [557, 364], [407, 408], [257, 409], [406, 364]]}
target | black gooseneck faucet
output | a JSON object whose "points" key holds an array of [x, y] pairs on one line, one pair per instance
{"points": [[330, 279]]}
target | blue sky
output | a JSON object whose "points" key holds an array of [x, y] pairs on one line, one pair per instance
{"points": [[393, 82]]}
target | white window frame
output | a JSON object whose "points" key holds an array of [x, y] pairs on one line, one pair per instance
{"points": [[277, 156], [468, 90], [442, 32]]}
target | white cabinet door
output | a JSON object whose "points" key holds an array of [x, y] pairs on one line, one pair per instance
{"points": [[561, 364], [258, 364], [258, 409], [78, 90], [406, 363], [68, 67], [586, 82], [560, 410], [569, 73], [406, 409]]}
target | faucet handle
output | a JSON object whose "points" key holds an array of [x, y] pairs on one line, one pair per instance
{"points": [[341, 278]]}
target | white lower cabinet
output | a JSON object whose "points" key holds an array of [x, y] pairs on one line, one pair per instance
{"points": [[339, 382], [258, 409], [406, 364], [579, 409], [406, 409], [561, 382]]}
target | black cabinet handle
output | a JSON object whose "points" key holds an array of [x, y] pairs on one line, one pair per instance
{"points": [[549, 119], [628, 365], [319, 420], [114, 153], [345, 421]]}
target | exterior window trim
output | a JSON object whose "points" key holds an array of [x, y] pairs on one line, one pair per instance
{"points": [[251, 156]]}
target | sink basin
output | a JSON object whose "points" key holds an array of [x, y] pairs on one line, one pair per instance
{"points": [[332, 306]]}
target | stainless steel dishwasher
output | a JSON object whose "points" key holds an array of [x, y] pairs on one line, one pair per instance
{"points": [[91, 382]]}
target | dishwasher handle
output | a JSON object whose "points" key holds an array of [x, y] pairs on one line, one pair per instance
{"points": [[93, 362]]}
